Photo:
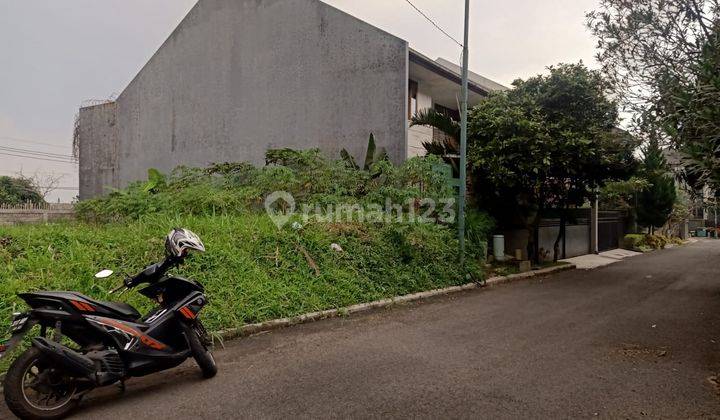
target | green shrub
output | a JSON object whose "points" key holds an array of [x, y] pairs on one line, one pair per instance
{"points": [[640, 242], [633, 241], [655, 241], [675, 240], [235, 188], [478, 228]]}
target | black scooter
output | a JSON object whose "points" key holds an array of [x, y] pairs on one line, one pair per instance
{"points": [[85, 343]]}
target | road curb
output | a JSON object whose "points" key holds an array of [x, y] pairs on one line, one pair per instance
{"points": [[251, 329], [275, 324]]}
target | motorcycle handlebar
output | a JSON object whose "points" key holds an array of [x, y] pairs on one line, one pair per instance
{"points": [[117, 289], [153, 272]]}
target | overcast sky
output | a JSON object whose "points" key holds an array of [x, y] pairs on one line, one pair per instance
{"points": [[57, 54]]}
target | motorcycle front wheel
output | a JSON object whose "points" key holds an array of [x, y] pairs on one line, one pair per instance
{"points": [[198, 342], [35, 389]]}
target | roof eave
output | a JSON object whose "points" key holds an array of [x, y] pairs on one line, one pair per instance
{"points": [[420, 59]]}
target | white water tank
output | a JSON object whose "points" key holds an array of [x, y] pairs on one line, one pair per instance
{"points": [[499, 247]]}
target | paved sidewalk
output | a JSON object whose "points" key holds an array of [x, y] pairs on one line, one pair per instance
{"points": [[592, 261]]}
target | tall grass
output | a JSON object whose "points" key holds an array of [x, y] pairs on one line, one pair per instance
{"points": [[252, 270]]}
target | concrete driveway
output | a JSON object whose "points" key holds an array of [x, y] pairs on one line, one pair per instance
{"points": [[637, 339]]}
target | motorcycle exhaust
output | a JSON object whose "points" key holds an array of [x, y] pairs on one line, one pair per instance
{"points": [[73, 362]]}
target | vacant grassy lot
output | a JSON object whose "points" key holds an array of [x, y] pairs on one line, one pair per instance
{"points": [[252, 270]]}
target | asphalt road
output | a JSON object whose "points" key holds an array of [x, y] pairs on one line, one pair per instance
{"points": [[638, 339]]}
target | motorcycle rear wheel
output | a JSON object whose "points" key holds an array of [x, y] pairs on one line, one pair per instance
{"points": [[35, 389]]}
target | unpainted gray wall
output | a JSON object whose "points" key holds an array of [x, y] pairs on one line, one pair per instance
{"points": [[27, 216], [238, 77], [98, 149]]}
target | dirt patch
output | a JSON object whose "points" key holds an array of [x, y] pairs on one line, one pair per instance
{"points": [[634, 351], [715, 383]]}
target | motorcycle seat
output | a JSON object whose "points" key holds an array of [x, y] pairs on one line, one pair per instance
{"points": [[121, 308]]}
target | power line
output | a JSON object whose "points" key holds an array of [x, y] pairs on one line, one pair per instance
{"points": [[32, 142], [36, 155], [23, 172], [38, 158], [36, 152], [429, 19]]}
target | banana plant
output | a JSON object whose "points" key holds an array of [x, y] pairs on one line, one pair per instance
{"points": [[372, 156]]}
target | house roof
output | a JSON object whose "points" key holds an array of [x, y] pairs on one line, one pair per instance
{"points": [[479, 80], [476, 83]]}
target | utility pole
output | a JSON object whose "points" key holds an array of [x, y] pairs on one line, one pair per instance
{"points": [[463, 136]]}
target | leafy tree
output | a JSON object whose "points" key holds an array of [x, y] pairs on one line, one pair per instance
{"points": [[620, 195], [644, 42], [19, 191], [623, 195], [692, 117], [550, 143], [663, 58], [680, 213], [656, 202]]}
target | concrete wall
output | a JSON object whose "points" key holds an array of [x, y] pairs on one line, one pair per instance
{"points": [[577, 239], [98, 149], [240, 76], [46, 215], [577, 236]]}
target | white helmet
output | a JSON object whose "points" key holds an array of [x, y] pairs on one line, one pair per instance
{"points": [[180, 241]]}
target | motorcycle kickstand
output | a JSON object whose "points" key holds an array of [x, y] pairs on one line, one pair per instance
{"points": [[122, 387]]}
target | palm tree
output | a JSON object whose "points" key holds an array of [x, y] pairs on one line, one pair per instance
{"points": [[447, 148]]}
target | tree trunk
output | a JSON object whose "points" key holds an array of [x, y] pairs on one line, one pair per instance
{"points": [[560, 235], [533, 240], [530, 242]]}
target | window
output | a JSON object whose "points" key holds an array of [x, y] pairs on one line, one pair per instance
{"points": [[412, 98]]}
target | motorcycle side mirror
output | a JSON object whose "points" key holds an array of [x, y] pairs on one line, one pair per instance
{"points": [[104, 274]]}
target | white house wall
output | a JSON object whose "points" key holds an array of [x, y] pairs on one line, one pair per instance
{"points": [[417, 135]]}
